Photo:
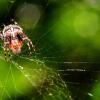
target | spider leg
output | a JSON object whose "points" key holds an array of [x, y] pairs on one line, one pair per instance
{"points": [[32, 46], [7, 50], [29, 47], [5, 53], [29, 44], [1, 36]]}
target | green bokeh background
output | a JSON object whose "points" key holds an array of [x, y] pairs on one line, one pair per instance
{"points": [[66, 65]]}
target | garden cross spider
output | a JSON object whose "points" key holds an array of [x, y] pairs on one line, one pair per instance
{"points": [[13, 37]]}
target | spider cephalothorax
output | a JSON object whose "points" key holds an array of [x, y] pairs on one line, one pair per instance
{"points": [[13, 37]]}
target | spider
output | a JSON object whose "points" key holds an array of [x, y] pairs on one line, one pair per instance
{"points": [[13, 36]]}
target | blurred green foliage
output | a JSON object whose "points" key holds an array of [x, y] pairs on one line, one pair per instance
{"points": [[62, 31]]}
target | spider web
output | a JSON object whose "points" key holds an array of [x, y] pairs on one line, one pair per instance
{"points": [[70, 68], [46, 75], [36, 78], [41, 81]]}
